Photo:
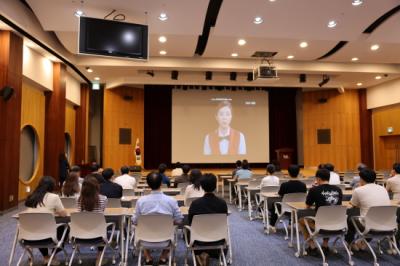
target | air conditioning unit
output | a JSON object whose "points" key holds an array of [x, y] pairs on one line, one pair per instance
{"points": [[265, 72]]}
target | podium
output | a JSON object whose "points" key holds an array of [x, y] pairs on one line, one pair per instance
{"points": [[285, 157]]}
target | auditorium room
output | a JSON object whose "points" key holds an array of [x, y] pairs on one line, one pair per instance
{"points": [[199, 132]]}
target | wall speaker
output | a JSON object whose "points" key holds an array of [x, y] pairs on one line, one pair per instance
{"points": [[174, 74], [6, 92], [233, 75], [249, 76], [208, 75], [322, 100], [128, 97], [302, 78]]}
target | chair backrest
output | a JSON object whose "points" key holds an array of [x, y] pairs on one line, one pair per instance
{"points": [[128, 192], [342, 186], [308, 181], [209, 228], [69, 203], [37, 226], [331, 218], [88, 225], [189, 201], [183, 185], [381, 218], [113, 203], [254, 183], [292, 197], [268, 189], [155, 228]]}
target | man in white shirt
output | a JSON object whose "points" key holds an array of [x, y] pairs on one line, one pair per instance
{"points": [[125, 180], [270, 179], [177, 171], [367, 195], [334, 177], [393, 183]]}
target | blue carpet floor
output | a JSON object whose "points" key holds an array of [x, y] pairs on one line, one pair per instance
{"points": [[250, 247]]}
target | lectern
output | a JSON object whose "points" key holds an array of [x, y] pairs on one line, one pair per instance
{"points": [[285, 157]]}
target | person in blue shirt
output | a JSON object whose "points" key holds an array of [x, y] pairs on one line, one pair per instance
{"points": [[161, 169], [244, 172]]}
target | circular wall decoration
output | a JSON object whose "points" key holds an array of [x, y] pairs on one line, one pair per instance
{"points": [[29, 153]]}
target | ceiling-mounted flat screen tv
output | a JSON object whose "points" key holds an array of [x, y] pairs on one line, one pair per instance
{"points": [[113, 38]]}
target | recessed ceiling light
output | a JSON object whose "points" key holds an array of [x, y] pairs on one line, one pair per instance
{"points": [[332, 24], [163, 17], [272, 0], [290, 56], [354, 59], [258, 20], [234, 54], [79, 13], [359, 84], [162, 39], [378, 77], [163, 52], [96, 78], [356, 2], [303, 44], [88, 69], [374, 47], [242, 42]]}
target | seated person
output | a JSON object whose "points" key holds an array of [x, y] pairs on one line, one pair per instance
{"points": [[157, 203], [393, 183], [245, 172], [76, 169], [184, 177], [291, 186], [238, 165], [270, 179], [96, 171], [209, 203], [323, 194], [194, 190], [43, 199], [161, 169], [334, 177], [177, 171], [71, 186], [108, 188], [356, 179], [367, 195], [125, 180]]}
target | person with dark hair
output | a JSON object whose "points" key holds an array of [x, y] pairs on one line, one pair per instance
{"points": [[125, 180], [161, 169], [96, 171], [270, 179], [156, 203], [63, 168], [238, 165], [177, 171], [71, 186], [76, 169], [334, 177], [323, 194], [43, 199], [108, 188], [194, 190], [367, 195], [356, 179], [209, 203], [244, 172], [184, 177], [393, 183]]}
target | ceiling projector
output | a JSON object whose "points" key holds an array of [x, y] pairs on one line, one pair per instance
{"points": [[265, 71]]}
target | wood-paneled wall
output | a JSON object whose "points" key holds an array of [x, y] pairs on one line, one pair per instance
{"points": [[386, 145], [82, 127], [122, 113], [340, 114], [33, 113], [70, 122]]}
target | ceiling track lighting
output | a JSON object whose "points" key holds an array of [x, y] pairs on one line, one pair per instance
{"points": [[325, 79]]}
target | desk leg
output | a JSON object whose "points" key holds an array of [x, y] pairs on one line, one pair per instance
{"points": [[121, 238], [230, 259], [249, 203], [223, 188], [240, 197], [14, 245], [298, 253], [266, 216], [230, 192], [128, 231], [291, 228]]}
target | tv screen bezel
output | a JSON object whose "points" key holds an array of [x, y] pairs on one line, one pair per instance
{"points": [[124, 56]]}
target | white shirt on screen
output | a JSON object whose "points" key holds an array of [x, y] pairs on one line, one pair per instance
{"points": [[270, 180], [126, 181], [369, 195], [224, 144], [334, 179]]}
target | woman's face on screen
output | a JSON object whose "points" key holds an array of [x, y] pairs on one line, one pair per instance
{"points": [[224, 116]]}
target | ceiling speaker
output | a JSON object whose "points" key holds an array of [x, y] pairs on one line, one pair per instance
{"points": [[249, 76], [6, 92], [233, 75], [302, 78], [208, 75], [174, 75]]}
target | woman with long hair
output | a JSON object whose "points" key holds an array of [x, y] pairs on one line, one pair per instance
{"points": [[90, 199], [43, 199], [71, 186], [194, 190]]}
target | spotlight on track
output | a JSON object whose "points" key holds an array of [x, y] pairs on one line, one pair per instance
{"points": [[325, 79]]}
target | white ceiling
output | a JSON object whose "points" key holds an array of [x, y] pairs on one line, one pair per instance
{"points": [[286, 24]]}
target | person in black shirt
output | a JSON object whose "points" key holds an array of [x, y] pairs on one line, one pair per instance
{"points": [[321, 195], [109, 188], [291, 186]]}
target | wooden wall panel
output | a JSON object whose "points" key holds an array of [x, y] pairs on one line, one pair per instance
{"points": [[121, 113], [386, 146], [366, 129], [82, 128], [341, 114], [10, 117], [33, 114], [70, 122]]}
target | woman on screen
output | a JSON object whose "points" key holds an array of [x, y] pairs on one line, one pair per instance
{"points": [[224, 140]]}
